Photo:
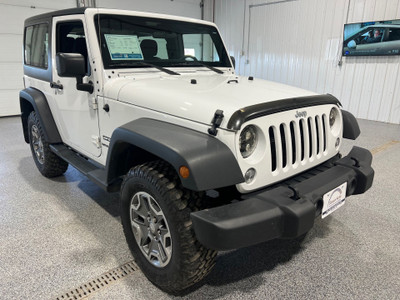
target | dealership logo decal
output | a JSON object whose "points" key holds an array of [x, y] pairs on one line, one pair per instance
{"points": [[301, 114]]}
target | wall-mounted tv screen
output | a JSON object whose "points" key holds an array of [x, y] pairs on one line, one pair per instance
{"points": [[372, 38]]}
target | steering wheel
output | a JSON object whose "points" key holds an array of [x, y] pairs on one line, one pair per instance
{"points": [[188, 56]]}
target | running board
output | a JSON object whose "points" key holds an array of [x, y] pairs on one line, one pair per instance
{"points": [[94, 173]]}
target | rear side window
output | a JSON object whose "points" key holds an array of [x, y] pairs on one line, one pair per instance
{"points": [[36, 45]]}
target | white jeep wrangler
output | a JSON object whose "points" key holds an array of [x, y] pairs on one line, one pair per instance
{"points": [[205, 160]]}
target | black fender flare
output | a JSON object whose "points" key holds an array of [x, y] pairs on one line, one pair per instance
{"points": [[38, 102], [351, 130], [211, 163]]}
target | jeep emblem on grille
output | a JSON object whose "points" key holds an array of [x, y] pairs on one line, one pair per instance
{"points": [[301, 114]]}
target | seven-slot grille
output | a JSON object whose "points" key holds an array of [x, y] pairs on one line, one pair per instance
{"points": [[297, 141]]}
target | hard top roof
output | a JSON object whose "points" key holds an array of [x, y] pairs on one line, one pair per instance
{"points": [[56, 13], [74, 11]]}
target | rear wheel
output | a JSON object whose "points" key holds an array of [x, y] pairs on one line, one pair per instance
{"points": [[155, 213], [49, 164]]}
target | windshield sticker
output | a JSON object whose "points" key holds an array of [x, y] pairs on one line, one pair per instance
{"points": [[124, 47]]}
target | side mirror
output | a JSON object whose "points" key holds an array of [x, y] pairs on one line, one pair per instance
{"points": [[352, 44], [70, 65], [233, 62], [73, 65]]}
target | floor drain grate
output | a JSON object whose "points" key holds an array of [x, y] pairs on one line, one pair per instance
{"points": [[104, 280]]}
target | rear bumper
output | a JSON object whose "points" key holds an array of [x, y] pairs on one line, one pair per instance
{"points": [[286, 211]]}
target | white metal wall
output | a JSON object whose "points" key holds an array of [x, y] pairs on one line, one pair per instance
{"points": [[298, 42], [12, 16]]}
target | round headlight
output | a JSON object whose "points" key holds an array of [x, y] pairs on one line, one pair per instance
{"points": [[248, 140], [333, 116]]}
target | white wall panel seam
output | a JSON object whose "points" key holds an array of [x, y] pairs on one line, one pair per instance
{"points": [[329, 65], [321, 48]]}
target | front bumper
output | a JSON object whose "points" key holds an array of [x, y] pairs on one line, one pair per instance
{"points": [[286, 211]]}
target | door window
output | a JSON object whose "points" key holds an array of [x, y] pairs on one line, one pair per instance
{"points": [[71, 39]]}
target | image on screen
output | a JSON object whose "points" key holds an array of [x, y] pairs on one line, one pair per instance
{"points": [[372, 38]]}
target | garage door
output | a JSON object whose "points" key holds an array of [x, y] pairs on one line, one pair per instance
{"points": [[12, 16]]}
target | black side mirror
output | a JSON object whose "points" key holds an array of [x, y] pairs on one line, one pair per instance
{"points": [[73, 65], [233, 62], [70, 65]]}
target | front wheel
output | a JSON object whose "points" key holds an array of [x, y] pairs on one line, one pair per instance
{"points": [[155, 213]]}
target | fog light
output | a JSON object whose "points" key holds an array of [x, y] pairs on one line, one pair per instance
{"points": [[337, 143], [249, 176]]}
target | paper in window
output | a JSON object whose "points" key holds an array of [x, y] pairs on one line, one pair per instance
{"points": [[124, 47]]}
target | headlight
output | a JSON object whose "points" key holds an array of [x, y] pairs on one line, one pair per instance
{"points": [[332, 117], [248, 140], [335, 121]]}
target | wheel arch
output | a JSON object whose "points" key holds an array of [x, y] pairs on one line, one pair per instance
{"points": [[211, 163], [31, 99], [351, 130]]}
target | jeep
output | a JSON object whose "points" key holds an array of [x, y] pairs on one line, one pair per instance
{"points": [[205, 160]]}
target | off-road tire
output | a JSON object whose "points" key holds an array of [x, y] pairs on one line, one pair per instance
{"points": [[51, 165], [190, 262]]}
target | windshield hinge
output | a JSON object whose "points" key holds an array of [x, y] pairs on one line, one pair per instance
{"points": [[216, 122]]}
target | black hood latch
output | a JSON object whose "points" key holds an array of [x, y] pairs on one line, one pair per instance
{"points": [[216, 122]]}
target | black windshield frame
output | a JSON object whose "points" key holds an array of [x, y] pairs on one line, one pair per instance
{"points": [[172, 29]]}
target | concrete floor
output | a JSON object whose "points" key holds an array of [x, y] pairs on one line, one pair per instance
{"points": [[57, 234]]}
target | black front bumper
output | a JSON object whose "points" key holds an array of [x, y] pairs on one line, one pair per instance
{"points": [[286, 211]]}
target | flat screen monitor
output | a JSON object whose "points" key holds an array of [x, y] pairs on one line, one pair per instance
{"points": [[372, 38]]}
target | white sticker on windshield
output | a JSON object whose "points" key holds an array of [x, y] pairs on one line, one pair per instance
{"points": [[124, 47]]}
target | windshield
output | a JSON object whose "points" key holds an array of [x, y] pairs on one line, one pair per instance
{"points": [[131, 41]]}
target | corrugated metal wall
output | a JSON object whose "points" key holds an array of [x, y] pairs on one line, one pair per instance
{"points": [[299, 42]]}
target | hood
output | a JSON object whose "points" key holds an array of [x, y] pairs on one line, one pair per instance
{"points": [[197, 96]]}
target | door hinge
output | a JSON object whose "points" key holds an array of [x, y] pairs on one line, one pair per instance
{"points": [[96, 141], [94, 103]]}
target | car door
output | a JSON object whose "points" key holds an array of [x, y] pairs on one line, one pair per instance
{"points": [[77, 112]]}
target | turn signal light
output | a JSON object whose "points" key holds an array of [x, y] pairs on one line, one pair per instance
{"points": [[184, 172]]}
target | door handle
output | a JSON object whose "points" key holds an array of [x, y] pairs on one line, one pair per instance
{"points": [[55, 85]]}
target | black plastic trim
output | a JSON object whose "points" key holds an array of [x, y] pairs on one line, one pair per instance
{"points": [[211, 163], [284, 211], [39, 103], [263, 109], [351, 130]]}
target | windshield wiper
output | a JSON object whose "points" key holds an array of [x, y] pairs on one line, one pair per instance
{"points": [[145, 64], [196, 62]]}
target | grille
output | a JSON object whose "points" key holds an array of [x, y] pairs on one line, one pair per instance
{"points": [[297, 141]]}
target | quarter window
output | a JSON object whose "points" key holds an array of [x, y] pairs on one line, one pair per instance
{"points": [[36, 45]]}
